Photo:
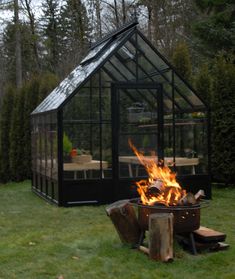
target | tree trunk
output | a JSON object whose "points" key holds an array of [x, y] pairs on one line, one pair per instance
{"points": [[17, 46], [33, 32], [149, 22], [124, 219], [116, 13], [123, 11], [98, 17], [161, 236]]}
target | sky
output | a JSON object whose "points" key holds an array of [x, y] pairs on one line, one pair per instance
{"points": [[6, 16]]}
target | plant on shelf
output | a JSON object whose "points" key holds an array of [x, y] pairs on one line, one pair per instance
{"points": [[83, 156], [82, 151], [168, 152], [67, 147]]}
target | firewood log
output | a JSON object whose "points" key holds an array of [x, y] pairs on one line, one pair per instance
{"points": [[161, 236], [188, 199], [199, 195], [144, 249], [156, 187], [125, 221]]}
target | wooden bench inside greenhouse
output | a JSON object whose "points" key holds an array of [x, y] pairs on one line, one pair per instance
{"points": [[92, 165], [179, 162]]}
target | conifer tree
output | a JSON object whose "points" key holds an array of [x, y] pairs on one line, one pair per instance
{"points": [[35, 91], [17, 138], [51, 32], [223, 121], [74, 32], [182, 61], [28, 58], [215, 26], [31, 101], [203, 83], [5, 124], [48, 81]]}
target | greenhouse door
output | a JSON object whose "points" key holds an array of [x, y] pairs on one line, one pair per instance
{"points": [[137, 117]]}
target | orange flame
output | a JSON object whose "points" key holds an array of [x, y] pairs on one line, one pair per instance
{"points": [[161, 185]]}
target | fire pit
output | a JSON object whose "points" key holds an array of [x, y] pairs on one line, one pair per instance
{"points": [[186, 218], [161, 193]]}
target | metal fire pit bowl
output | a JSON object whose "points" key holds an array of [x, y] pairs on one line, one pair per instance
{"points": [[186, 218]]}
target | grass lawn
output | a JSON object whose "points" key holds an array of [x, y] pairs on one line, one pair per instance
{"points": [[39, 240]]}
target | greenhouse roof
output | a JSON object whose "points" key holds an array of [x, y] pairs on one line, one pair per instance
{"points": [[111, 52]]}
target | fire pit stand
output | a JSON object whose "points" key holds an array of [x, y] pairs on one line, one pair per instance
{"points": [[162, 222], [186, 219]]}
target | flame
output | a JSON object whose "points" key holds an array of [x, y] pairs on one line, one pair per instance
{"points": [[161, 185]]}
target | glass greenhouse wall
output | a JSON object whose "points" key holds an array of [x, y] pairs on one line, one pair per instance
{"points": [[122, 90]]}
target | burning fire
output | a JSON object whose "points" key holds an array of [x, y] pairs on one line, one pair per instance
{"points": [[161, 185]]}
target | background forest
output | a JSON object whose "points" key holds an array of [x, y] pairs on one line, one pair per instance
{"points": [[42, 41]]}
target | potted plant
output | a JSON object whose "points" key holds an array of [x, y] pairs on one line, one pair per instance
{"points": [[83, 156], [67, 147]]}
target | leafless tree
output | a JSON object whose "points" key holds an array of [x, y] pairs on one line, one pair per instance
{"points": [[168, 22], [27, 7], [118, 12]]}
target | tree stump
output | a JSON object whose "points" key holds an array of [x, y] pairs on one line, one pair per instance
{"points": [[161, 236], [125, 221]]}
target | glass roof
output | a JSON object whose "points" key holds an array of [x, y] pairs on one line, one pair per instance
{"points": [[71, 83], [94, 52], [126, 56]]}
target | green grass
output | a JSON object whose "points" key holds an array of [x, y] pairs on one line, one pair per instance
{"points": [[39, 240]]}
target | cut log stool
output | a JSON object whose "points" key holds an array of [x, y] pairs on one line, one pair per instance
{"points": [[125, 221], [161, 236]]}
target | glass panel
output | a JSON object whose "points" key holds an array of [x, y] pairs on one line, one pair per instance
{"points": [[146, 66], [137, 106], [54, 147], [84, 106], [48, 145], [139, 123], [151, 54], [127, 55], [72, 82], [34, 144], [95, 80], [114, 72], [106, 104], [93, 52], [107, 150], [168, 137], [87, 135], [201, 142], [191, 143], [82, 158], [127, 52], [187, 92], [42, 140], [106, 80], [181, 102], [127, 73]]}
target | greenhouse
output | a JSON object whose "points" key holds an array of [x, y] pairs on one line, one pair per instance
{"points": [[123, 90]]}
